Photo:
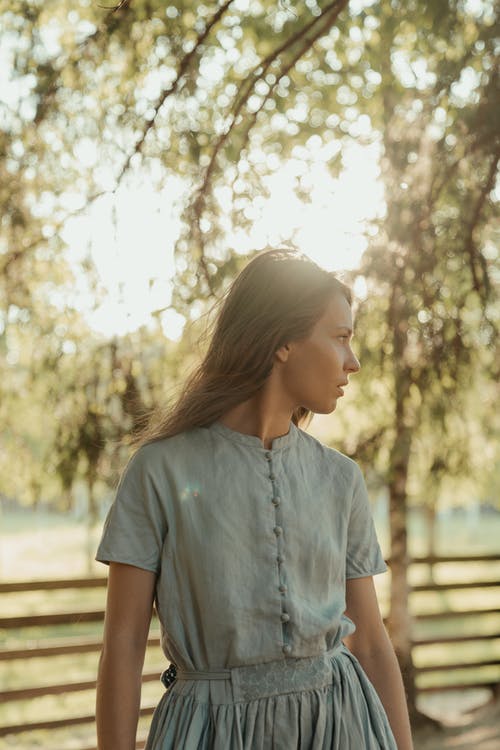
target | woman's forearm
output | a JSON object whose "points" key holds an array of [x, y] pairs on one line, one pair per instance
{"points": [[118, 699], [383, 671]]}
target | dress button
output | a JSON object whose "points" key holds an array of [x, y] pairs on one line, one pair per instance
{"points": [[276, 500], [285, 617], [278, 530], [272, 477], [268, 456], [280, 558], [282, 588], [287, 648]]}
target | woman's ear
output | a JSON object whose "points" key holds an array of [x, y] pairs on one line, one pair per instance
{"points": [[283, 352]]}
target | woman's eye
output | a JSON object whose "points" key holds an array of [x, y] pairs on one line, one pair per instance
{"points": [[343, 337]]}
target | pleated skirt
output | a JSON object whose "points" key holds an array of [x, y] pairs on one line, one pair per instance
{"points": [[324, 702]]}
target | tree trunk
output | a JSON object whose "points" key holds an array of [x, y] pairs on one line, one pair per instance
{"points": [[399, 616], [399, 621], [430, 517], [91, 523]]}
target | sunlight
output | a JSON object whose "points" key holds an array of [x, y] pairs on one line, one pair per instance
{"points": [[134, 261]]}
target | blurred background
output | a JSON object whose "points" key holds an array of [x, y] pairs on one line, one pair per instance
{"points": [[147, 151]]}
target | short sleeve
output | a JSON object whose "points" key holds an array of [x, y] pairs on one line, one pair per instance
{"points": [[364, 556], [136, 524]]}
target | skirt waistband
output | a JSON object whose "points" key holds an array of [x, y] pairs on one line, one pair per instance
{"points": [[261, 680]]}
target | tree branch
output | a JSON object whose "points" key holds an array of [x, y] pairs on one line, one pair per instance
{"points": [[183, 67], [184, 64], [284, 71], [328, 16], [71, 59], [482, 287]]}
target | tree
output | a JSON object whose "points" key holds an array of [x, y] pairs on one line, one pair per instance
{"points": [[431, 263], [218, 94]]}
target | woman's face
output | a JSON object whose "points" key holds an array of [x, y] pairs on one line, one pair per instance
{"points": [[317, 366]]}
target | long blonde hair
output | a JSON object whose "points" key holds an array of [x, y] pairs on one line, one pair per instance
{"points": [[277, 297]]}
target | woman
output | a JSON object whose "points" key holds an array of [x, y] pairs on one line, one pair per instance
{"points": [[255, 541]]}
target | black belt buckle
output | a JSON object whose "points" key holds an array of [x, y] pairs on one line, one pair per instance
{"points": [[169, 676]]}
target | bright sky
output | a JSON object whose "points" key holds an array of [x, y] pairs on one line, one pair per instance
{"points": [[135, 267]]}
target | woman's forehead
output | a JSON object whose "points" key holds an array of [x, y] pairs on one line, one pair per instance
{"points": [[338, 312]]}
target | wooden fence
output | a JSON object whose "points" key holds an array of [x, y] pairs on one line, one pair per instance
{"points": [[45, 648]]}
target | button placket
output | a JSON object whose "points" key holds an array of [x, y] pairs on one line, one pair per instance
{"points": [[278, 532]]}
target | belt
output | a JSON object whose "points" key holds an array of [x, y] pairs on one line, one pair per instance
{"points": [[253, 681]]}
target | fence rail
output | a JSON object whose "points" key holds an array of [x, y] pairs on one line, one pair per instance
{"points": [[61, 647], [78, 645]]}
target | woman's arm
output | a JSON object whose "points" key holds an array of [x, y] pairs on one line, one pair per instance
{"points": [[126, 626], [371, 645]]}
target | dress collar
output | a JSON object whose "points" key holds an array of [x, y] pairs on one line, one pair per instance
{"points": [[253, 441]]}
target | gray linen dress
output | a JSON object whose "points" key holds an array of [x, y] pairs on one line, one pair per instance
{"points": [[252, 548]]}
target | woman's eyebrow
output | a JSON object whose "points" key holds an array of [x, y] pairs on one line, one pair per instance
{"points": [[346, 328]]}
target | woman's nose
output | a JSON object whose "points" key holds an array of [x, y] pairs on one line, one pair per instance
{"points": [[353, 364]]}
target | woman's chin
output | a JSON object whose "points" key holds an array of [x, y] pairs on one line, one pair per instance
{"points": [[325, 408]]}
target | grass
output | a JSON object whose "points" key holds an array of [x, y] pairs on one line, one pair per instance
{"points": [[59, 549]]}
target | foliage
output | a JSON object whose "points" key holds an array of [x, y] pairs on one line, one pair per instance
{"points": [[221, 95]]}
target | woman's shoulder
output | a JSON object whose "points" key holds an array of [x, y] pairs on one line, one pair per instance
{"points": [[331, 456], [168, 449]]}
